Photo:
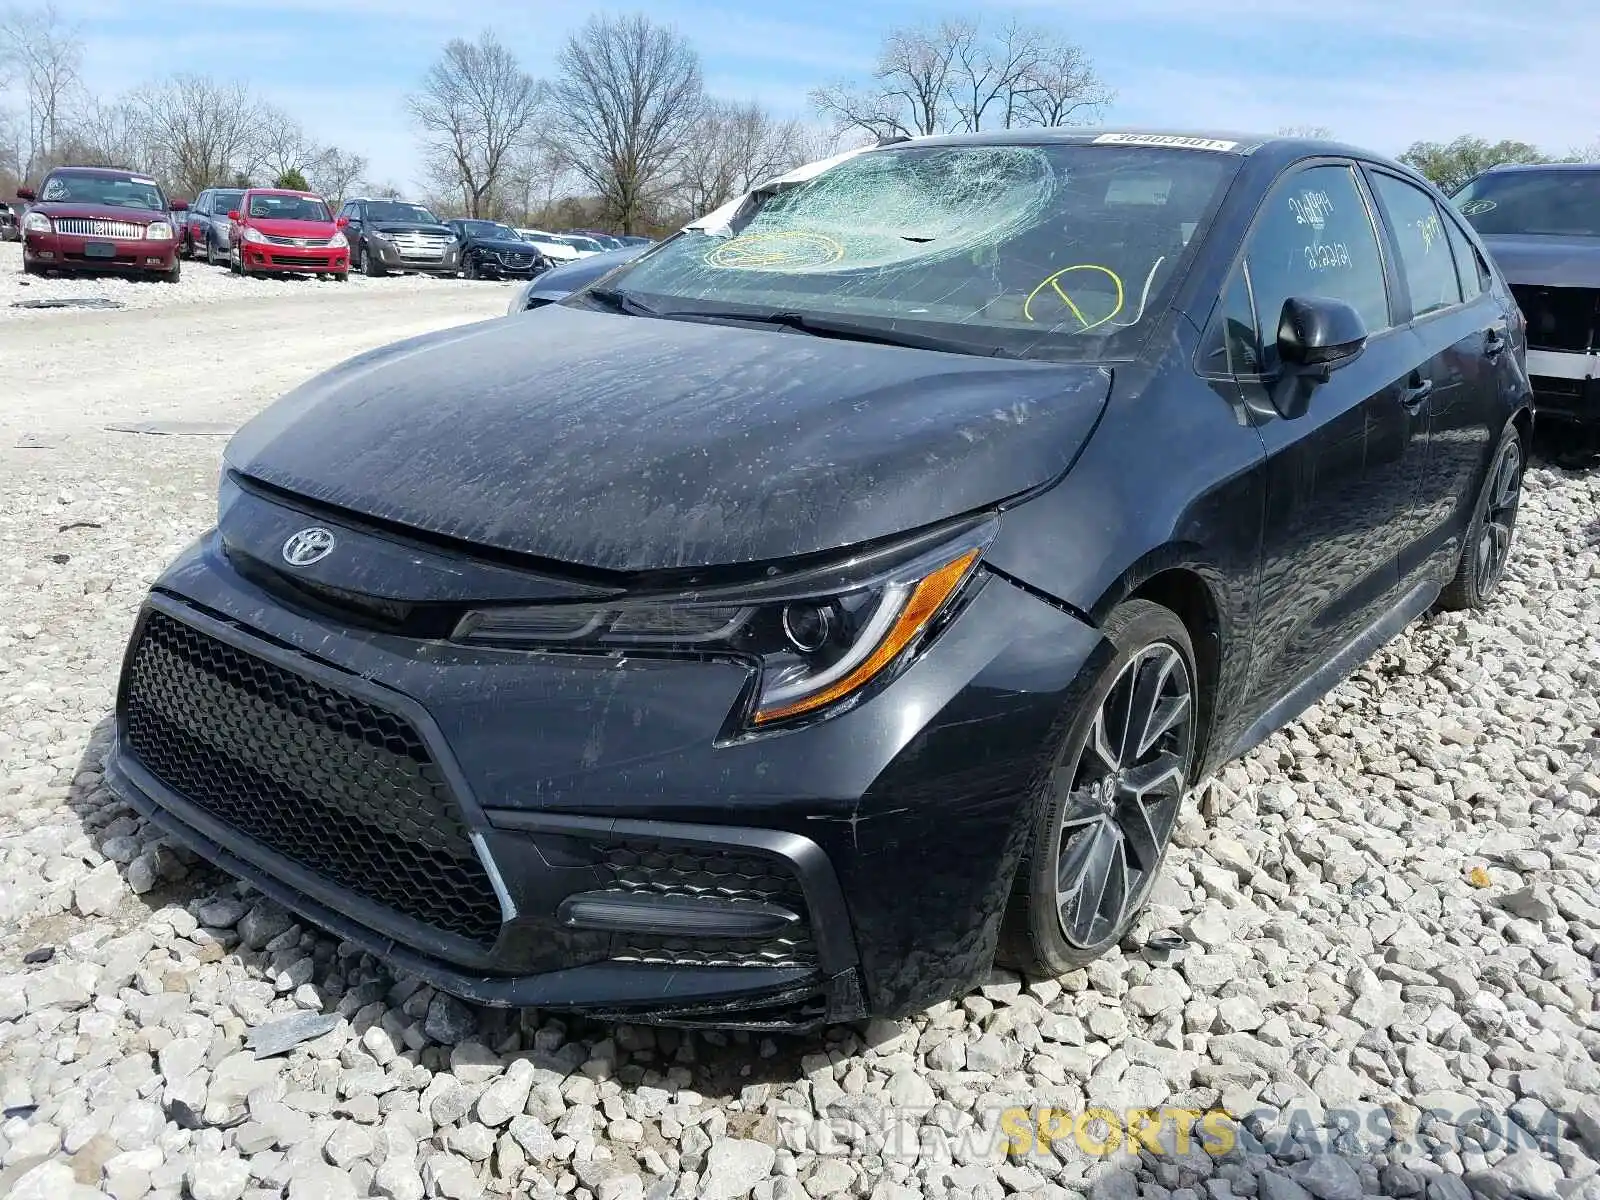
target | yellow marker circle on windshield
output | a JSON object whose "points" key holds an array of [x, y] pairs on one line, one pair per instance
{"points": [[1054, 284], [791, 249]]}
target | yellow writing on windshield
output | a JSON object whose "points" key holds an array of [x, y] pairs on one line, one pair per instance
{"points": [[789, 249], [1091, 318]]}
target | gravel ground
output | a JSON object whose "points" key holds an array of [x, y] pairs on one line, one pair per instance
{"points": [[1392, 911]]}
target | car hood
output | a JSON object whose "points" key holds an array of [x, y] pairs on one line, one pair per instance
{"points": [[635, 444], [409, 227], [1547, 261], [99, 212], [281, 227]]}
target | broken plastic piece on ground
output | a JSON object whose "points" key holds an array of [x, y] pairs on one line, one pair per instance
{"points": [[1479, 878], [1162, 947], [176, 428], [279, 1036], [39, 954], [69, 302]]}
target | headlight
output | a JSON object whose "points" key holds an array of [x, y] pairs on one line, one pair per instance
{"points": [[36, 223], [822, 639], [158, 231], [338, 241], [254, 235]]}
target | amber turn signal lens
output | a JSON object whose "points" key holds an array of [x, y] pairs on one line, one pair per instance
{"points": [[926, 599]]}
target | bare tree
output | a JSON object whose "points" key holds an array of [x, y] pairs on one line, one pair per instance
{"points": [[956, 77], [624, 104], [46, 54], [475, 108], [281, 144], [204, 132], [334, 172], [1061, 88], [733, 148]]}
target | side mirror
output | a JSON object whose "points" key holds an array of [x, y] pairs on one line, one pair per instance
{"points": [[341, 222], [180, 206], [1316, 336], [233, 214], [27, 194], [1315, 332]]}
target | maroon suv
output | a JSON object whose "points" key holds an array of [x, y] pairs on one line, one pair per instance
{"points": [[99, 219]]}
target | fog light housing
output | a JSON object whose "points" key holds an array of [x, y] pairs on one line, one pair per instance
{"points": [[674, 916]]}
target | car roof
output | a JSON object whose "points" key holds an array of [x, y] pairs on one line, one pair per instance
{"points": [[1232, 142], [255, 191], [102, 172], [1515, 168]]}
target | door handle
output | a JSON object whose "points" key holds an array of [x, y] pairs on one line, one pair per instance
{"points": [[1494, 343], [1415, 393]]}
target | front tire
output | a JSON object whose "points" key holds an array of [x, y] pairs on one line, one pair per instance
{"points": [[371, 267], [1494, 519], [1114, 795], [175, 274]]}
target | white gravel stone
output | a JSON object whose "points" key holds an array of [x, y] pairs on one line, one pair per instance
{"points": [[1392, 905]]}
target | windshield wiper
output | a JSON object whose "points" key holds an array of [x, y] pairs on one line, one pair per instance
{"points": [[620, 301], [831, 327], [817, 326]]}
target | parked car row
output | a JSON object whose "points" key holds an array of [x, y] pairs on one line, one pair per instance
{"points": [[94, 218]]}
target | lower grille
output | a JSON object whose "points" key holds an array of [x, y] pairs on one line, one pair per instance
{"points": [[1559, 318], [296, 260], [645, 868], [128, 231], [342, 787]]}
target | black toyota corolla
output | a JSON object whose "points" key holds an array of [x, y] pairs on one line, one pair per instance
{"points": [[847, 594]]}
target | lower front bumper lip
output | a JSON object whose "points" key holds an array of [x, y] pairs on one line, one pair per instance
{"points": [[633, 990]]}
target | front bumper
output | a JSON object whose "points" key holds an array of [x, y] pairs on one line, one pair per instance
{"points": [[66, 252], [1566, 385], [298, 260], [399, 257], [860, 864]]}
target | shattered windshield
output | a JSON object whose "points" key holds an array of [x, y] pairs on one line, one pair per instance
{"points": [[1559, 203], [1058, 251]]}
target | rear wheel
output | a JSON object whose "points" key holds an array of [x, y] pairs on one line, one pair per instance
{"points": [[1112, 801], [1494, 520]]}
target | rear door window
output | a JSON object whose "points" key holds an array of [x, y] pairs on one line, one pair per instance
{"points": [[1315, 237], [1423, 245], [1471, 270]]}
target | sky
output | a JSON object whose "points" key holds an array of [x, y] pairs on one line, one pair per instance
{"points": [[1378, 73]]}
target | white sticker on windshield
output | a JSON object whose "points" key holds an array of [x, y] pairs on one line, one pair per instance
{"points": [[141, 179], [1174, 140]]}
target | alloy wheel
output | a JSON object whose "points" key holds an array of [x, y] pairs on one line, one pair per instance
{"points": [[1499, 519], [1126, 791]]}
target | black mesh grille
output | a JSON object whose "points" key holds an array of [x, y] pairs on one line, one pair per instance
{"points": [[645, 868], [336, 784], [1558, 318]]}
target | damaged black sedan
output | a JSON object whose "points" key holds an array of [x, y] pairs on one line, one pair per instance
{"points": [[845, 595]]}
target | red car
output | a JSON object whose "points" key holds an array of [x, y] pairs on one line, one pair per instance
{"points": [[275, 229], [100, 219]]}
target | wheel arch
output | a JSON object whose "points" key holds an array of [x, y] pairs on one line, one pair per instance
{"points": [[1178, 578]]}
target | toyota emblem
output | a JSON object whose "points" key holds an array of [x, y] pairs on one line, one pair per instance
{"points": [[308, 546]]}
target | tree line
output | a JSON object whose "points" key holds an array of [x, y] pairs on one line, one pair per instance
{"points": [[626, 123], [189, 131], [622, 133]]}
